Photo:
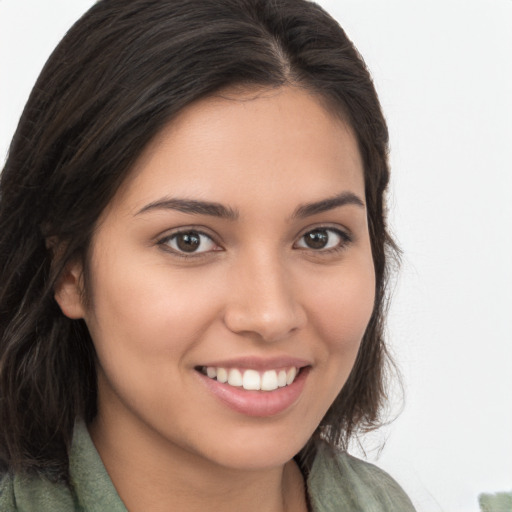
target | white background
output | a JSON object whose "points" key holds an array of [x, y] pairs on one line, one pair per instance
{"points": [[444, 74]]}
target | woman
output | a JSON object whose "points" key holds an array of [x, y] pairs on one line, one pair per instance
{"points": [[193, 261]]}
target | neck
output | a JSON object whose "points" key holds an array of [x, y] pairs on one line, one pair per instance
{"points": [[150, 473]]}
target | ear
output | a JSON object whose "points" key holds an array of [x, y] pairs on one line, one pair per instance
{"points": [[69, 291]]}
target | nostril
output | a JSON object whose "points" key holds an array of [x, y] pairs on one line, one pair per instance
{"points": [[269, 326]]}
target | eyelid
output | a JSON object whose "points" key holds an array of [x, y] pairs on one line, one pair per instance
{"points": [[344, 234], [202, 230], [343, 230], [162, 241]]}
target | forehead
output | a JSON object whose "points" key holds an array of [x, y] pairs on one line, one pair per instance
{"points": [[241, 146]]}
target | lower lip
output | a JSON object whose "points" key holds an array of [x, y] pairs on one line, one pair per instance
{"points": [[257, 403]]}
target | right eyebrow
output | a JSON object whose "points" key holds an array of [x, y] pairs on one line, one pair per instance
{"points": [[309, 209], [191, 206]]}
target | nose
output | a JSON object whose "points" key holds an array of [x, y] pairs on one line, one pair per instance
{"points": [[263, 300]]}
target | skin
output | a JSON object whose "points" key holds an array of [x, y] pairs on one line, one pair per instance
{"points": [[255, 288]]}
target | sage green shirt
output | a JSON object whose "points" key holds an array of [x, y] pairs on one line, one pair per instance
{"points": [[338, 483]]}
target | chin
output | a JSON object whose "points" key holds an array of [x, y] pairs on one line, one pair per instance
{"points": [[261, 450]]}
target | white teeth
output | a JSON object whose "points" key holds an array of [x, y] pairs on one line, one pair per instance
{"points": [[281, 378], [222, 374], [252, 380], [290, 375], [269, 380], [235, 378]]}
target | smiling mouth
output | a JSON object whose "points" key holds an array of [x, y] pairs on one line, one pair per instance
{"points": [[251, 380]]}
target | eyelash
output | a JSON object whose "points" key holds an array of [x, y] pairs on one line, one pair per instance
{"points": [[165, 243], [345, 240]]}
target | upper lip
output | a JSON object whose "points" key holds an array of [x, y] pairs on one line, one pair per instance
{"points": [[259, 363]]}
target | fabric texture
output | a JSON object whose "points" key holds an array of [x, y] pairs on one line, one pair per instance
{"points": [[337, 483]]}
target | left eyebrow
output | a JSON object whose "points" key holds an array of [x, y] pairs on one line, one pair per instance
{"points": [[193, 207], [309, 209]]}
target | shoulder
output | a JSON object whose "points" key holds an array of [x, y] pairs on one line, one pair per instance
{"points": [[90, 488], [7, 502], [339, 482], [31, 493]]}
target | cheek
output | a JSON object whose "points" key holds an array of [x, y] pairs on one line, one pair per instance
{"points": [[146, 325], [342, 309], [340, 306], [340, 313], [149, 312]]}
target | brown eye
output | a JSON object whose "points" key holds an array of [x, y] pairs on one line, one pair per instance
{"points": [[317, 239], [323, 239], [191, 242]]}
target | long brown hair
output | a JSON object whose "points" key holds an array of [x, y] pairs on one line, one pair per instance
{"points": [[122, 72]]}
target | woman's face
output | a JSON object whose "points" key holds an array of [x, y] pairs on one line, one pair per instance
{"points": [[238, 249]]}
